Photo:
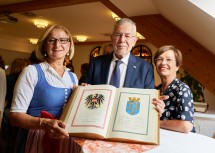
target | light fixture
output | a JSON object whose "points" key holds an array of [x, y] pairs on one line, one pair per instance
{"points": [[6, 18], [41, 23], [115, 16], [33, 40], [81, 38], [140, 36]]}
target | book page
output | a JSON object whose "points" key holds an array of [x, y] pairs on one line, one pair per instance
{"points": [[91, 110], [134, 116]]}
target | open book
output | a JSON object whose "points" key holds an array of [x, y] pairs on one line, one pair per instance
{"points": [[115, 114]]}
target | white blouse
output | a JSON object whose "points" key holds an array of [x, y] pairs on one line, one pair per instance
{"points": [[24, 88]]}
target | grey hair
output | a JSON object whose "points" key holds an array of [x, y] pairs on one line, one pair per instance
{"points": [[125, 20]]}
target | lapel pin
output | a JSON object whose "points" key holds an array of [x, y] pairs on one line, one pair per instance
{"points": [[134, 67]]}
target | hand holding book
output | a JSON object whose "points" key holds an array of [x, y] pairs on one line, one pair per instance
{"points": [[159, 104], [116, 114]]}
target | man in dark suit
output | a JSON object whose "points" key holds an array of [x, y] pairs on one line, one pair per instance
{"points": [[135, 72], [139, 73]]}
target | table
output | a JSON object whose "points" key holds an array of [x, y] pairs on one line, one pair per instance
{"points": [[170, 142], [175, 142], [205, 122]]}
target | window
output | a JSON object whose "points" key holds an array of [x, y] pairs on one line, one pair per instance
{"points": [[95, 52], [143, 52]]}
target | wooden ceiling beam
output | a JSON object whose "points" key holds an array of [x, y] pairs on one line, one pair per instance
{"points": [[113, 8], [39, 4]]}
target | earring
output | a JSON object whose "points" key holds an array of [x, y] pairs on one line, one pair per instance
{"points": [[67, 54], [45, 55]]}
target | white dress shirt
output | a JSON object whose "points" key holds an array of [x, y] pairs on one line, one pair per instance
{"points": [[122, 67]]}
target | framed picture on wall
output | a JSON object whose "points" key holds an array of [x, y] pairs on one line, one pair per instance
{"points": [[95, 52]]}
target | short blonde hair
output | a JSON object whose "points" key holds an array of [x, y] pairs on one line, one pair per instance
{"points": [[177, 53], [40, 50]]}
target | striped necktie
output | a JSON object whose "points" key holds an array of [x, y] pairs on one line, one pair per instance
{"points": [[115, 79]]}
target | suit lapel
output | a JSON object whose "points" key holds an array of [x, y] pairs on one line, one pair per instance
{"points": [[105, 68], [131, 70]]}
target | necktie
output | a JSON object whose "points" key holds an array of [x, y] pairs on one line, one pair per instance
{"points": [[115, 79]]}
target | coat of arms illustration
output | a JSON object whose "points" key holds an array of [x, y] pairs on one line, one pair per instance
{"points": [[94, 101], [133, 106]]}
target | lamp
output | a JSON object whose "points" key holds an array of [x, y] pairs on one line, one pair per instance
{"points": [[81, 38], [41, 23], [140, 36], [33, 40], [115, 16]]}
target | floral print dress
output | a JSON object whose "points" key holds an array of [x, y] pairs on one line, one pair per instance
{"points": [[179, 105]]}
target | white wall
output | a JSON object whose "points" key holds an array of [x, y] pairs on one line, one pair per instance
{"points": [[9, 43], [82, 55], [210, 99], [8, 56]]}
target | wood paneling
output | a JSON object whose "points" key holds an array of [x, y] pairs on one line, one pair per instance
{"points": [[197, 60]]}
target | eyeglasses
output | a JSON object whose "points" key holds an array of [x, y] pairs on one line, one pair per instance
{"points": [[160, 60], [119, 35], [60, 40]]}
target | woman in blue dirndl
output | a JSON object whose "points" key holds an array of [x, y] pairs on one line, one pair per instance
{"points": [[40, 95]]}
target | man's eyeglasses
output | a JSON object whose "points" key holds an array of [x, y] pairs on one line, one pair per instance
{"points": [[60, 40], [126, 36], [160, 60]]}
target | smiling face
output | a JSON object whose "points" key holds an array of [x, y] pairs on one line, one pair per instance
{"points": [[57, 44], [123, 38], [166, 64]]}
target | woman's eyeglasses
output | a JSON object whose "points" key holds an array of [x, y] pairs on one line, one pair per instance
{"points": [[60, 40], [160, 60]]}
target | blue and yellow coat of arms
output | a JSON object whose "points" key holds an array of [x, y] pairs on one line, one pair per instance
{"points": [[133, 106]]}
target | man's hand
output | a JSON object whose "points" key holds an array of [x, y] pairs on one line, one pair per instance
{"points": [[85, 84]]}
